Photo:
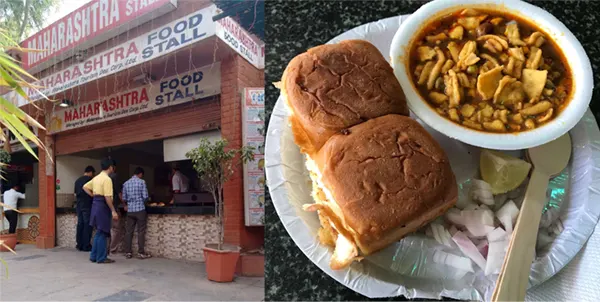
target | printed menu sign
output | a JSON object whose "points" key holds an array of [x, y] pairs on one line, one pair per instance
{"points": [[253, 133]]}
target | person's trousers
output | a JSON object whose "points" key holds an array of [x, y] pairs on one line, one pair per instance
{"points": [[99, 251], [84, 229], [138, 221], [117, 233], [12, 217]]}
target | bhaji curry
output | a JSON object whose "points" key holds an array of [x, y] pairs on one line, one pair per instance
{"points": [[490, 71]]}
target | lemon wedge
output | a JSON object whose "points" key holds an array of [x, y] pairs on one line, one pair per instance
{"points": [[503, 172]]}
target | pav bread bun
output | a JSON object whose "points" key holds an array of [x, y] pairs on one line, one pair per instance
{"points": [[335, 86], [377, 182]]}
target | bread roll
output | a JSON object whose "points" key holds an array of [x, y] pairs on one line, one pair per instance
{"points": [[377, 182], [336, 86]]}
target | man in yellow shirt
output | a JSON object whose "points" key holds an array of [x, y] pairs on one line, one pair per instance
{"points": [[101, 190]]}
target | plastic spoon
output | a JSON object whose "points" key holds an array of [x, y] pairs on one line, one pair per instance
{"points": [[547, 160]]}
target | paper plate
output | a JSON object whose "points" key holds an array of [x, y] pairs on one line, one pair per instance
{"points": [[405, 268]]}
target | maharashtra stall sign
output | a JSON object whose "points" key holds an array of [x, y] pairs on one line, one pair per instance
{"points": [[253, 134], [87, 26], [156, 43], [196, 84], [240, 40]]}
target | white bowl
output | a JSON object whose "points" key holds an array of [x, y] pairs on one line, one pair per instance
{"points": [[577, 60]]}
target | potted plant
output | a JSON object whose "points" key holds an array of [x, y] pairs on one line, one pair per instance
{"points": [[215, 164], [8, 242]]}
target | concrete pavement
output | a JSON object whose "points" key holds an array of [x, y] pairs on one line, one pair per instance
{"points": [[63, 274]]}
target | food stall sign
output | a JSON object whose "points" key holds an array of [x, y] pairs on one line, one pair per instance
{"points": [[253, 134], [182, 88], [88, 26], [241, 41], [166, 39]]}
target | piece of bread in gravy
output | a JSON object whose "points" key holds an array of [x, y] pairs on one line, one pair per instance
{"points": [[335, 86], [377, 182]]}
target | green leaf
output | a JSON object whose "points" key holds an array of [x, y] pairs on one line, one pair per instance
{"points": [[8, 62], [11, 108], [5, 265], [11, 123]]}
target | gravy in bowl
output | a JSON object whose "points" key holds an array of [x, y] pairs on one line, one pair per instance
{"points": [[490, 71]]}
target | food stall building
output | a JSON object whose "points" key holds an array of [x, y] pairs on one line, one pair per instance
{"points": [[143, 89]]}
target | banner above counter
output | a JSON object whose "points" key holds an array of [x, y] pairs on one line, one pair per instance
{"points": [[163, 40], [186, 87], [88, 26]]}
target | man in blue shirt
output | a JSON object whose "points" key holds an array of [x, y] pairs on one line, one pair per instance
{"points": [[135, 194]]}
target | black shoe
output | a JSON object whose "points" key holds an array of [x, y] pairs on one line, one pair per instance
{"points": [[106, 261], [94, 261]]}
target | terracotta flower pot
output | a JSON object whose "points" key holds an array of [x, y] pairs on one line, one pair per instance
{"points": [[221, 264], [10, 240]]}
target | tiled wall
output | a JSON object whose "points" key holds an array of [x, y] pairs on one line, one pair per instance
{"points": [[168, 236]]}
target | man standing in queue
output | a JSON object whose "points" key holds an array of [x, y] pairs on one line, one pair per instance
{"points": [[84, 208], [101, 190], [135, 194], [117, 232]]}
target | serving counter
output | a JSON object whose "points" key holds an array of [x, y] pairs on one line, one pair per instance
{"points": [[175, 232]]}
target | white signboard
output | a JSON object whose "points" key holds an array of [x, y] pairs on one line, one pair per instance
{"points": [[253, 127], [241, 41], [174, 149], [173, 36], [200, 83]]}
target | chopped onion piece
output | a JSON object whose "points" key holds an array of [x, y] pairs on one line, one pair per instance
{"points": [[495, 256], [458, 262], [463, 202], [471, 207], [481, 192], [453, 215], [443, 236], [507, 215], [453, 230], [482, 247], [479, 216], [469, 249], [478, 230], [498, 234]]}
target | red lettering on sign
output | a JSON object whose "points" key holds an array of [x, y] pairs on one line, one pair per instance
{"points": [[68, 116], [144, 96], [76, 72], [119, 54], [132, 49], [96, 108], [95, 18]]}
